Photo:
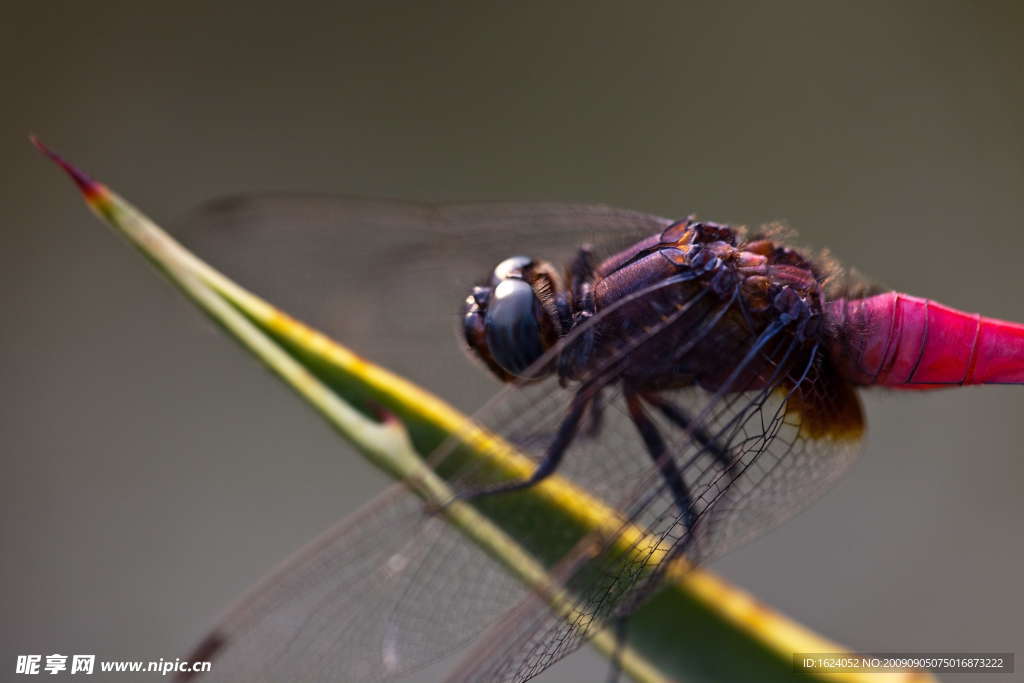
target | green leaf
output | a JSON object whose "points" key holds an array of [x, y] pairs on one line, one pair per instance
{"points": [[697, 627]]}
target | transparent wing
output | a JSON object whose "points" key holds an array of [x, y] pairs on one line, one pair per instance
{"points": [[342, 263], [388, 590]]}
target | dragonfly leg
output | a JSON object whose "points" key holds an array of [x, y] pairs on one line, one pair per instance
{"points": [[681, 419], [655, 445], [595, 417], [552, 456]]}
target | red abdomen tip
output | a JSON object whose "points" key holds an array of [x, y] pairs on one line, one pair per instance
{"points": [[905, 342]]}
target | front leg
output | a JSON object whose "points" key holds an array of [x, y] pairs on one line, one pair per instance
{"points": [[552, 455]]}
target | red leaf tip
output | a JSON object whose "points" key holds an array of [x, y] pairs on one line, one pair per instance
{"points": [[89, 187]]}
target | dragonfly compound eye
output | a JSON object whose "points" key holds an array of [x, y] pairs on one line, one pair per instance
{"points": [[513, 326], [513, 320], [474, 313]]}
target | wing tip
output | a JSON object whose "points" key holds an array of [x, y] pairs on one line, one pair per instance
{"points": [[205, 651]]}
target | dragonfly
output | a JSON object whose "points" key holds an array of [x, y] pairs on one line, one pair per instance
{"points": [[701, 379]]}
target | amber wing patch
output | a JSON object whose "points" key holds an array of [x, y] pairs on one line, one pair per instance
{"points": [[827, 408]]}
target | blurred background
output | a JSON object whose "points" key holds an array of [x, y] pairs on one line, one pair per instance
{"points": [[152, 471]]}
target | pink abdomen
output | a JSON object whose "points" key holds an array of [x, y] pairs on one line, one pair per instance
{"points": [[905, 342]]}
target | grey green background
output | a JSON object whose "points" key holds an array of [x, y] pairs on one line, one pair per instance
{"points": [[151, 471]]}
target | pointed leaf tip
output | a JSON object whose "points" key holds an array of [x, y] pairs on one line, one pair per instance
{"points": [[89, 187]]}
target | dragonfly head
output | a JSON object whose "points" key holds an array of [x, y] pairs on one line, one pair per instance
{"points": [[510, 322]]}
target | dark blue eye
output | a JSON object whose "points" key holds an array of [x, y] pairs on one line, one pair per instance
{"points": [[512, 326]]}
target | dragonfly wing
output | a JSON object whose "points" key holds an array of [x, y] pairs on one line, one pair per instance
{"points": [[387, 591], [339, 262]]}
